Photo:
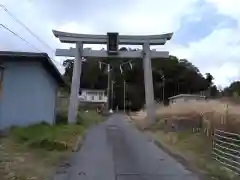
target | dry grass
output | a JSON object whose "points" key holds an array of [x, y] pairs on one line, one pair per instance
{"points": [[195, 147], [218, 114], [199, 107], [20, 163], [33, 153], [139, 118]]}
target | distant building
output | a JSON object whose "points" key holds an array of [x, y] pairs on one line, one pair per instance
{"points": [[93, 96], [185, 98], [28, 88]]}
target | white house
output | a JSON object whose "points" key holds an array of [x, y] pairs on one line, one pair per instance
{"points": [[185, 98], [93, 96], [28, 88]]}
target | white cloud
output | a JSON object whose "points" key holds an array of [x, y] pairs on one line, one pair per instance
{"points": [[155, 16], [225, 73], [228, 7], [75, 27], [216, 53], [138, 17]]}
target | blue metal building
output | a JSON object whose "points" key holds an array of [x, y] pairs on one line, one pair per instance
{"points": [[28, 88]]}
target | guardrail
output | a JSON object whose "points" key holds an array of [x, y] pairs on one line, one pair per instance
{"points": [[226, 149]]}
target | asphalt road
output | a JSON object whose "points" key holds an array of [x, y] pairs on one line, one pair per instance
{"points": [[115, 150]]}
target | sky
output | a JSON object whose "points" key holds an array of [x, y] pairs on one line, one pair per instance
{"points": [[206, 32]]}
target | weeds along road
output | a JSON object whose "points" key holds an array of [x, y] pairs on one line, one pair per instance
{"points": [[115, 150]]}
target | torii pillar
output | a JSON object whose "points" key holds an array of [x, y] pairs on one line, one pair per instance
{"points": [[75, 85], [148, 83], [79, 53]]}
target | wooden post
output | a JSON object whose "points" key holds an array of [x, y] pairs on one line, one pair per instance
{"points": [[108, 89], [74, 100]]}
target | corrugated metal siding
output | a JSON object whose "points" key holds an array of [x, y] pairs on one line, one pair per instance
{"points": [[28, 96]]}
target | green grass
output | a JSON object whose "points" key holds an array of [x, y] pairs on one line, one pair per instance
{"points": [[44, 136], [57, 137], [41, 146], [89, 118]]}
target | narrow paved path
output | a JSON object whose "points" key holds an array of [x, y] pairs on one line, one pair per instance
{"points": [[115, 150]]}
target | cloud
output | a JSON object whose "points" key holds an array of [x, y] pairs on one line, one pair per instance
{"points": [[229, 7], [217, 53], [225, 73], [126, 17], [210, 39], [206, 32], [155, 16], [202, 23]]}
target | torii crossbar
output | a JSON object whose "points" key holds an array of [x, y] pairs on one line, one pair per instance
{"points": [[146, 54]]}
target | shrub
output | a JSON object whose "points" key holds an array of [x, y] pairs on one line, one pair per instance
{"points": [[49, 144], [89, 118], [61, 117], [30, 132]]}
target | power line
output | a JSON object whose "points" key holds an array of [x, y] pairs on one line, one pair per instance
{"points": [[8, 29], [15, 34], [22, 24], [29, 30]]}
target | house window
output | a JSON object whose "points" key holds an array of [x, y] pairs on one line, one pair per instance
{"points": [[1, 78]]}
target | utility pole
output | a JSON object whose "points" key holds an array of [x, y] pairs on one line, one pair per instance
{"points": [[163, 78], [178, 88], [112, 95], [108, 89], [124, 96]]}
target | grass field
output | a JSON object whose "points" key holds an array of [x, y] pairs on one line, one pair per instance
{"points": [[33, 152], [216, 113], [194, 147]]}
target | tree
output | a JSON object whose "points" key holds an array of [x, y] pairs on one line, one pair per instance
{"points": [[234, 87], [209, 79], [68, 64], [180, 76], [214, 91]]}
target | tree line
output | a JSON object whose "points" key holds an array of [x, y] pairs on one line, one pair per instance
{"points": [[171, 76], [233, 90]]}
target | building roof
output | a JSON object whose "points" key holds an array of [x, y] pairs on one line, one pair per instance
{"points": [[186, 95], [32, 56]]}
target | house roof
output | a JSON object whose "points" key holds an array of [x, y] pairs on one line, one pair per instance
{"points": [[32, 56], [186, 95]]}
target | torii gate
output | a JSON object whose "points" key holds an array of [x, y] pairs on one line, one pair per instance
{"points": [[112, 40]]}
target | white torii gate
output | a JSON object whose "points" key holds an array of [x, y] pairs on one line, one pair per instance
{"points": [[146, 54]]}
